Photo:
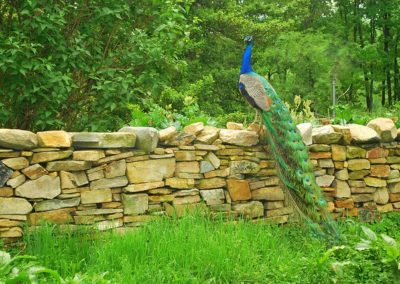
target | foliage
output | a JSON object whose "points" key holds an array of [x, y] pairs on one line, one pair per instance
{"points": [[301, 110]]}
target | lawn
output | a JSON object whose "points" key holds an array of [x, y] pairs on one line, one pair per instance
{"points": [[196, 249]]}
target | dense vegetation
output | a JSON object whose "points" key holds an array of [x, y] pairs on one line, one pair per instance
{"points": [[199, 250], [97, 65]]}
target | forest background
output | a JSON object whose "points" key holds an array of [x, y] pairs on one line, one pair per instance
{"points": [[98, 65]]}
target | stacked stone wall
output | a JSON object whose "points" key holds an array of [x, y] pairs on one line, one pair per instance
{"points": [[128, 178]]}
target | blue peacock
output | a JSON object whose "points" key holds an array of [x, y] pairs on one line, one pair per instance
{"points": [[291, 155]]}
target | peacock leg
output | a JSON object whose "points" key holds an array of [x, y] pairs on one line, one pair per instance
{"points": [[256, 117]]}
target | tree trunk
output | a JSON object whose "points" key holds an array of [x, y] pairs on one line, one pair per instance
{"points": [[386, 35], [396, 70]]}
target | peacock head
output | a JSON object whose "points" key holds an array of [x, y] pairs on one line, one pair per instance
{"points": [[248, 39]]}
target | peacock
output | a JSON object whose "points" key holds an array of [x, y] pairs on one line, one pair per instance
{"points": [[294, 167]]}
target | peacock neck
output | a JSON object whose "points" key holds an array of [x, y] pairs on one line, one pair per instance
{"points": [[246, 62]]}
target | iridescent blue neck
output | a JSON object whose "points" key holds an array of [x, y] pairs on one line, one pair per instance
{"points": [[246, 62]]}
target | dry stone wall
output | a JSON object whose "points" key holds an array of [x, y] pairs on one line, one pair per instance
{"points": [[130, 177]]}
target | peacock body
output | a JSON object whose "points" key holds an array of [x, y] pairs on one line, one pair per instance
{"points": [[294, 168]]}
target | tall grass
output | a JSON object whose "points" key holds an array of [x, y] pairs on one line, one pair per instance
{"points": [[193, 249]]}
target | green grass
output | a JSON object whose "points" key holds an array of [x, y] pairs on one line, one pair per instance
{"points": [[195, 249]]}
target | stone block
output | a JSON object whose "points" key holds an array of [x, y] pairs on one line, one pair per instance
{"points": [[88, 155], [135, 204], [194, 128], [55, 204], [109, 183], [167, 133], [363, 134], [139, 187], [380, 170], [385, 128], [239, 189], [187, 167], [274, 193], [212, 183], [186, 200], [54, 139], [243, 167], [46, 187], [150, 170], [339, 153], [18, 139], [14, 206], [115, 169], [146, 137], [17, 181], [374, 182], [342, 189], [16, 163], [70, 166], [252, 209], [59, 216], [358, 164], [73, 180], [381, 196], [179, 183], [305, 130], [103, 140], [208, 135], [325, 135], [43, 157], [238, 137], [35, 171], [213, 196], [325, 180], [96, 196]]}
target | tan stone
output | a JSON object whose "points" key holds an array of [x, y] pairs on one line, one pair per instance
{"points": [[342, 174], [394, 197], [9, 223], [90, 211], [381, 196], [270, 205], [390, 160], [186, 192], [139, 187], [14, 206], [87, 220], [186, 200], [194, 128], [345, 203], [380, 170], [239, 189], [375, 182], [179, 183], [16, 163], [17, 139], [274, 193], [115, 169], [213, 196], [88, 155], [187, 167], [358, 174], [362, 197], [305, 130], [150, 170], [377, 152], [167, 133], [354, 152], [385, 208], [73, 180], [161, 198], [252, 209], [345, 131], [185, 155], [95, 175], [339, 153], [342, 189], [394, 187], [96, 196], [6, 192], [361, 133], [17, 181], [320, 148], [54, 139], [35, 171], [212, 183], [104, 140], [183, 209], [208, 135], [325, 163], [325, 180], [279, 212], [243, 167], [358, 164], [44, 187], [325, 135], [385, 128], [378, 161], [13, 232], [43, 157], [320, 155], [125, 155], [109, 183], [135, 203], [238, 137], [70, 166], [60, 216]]}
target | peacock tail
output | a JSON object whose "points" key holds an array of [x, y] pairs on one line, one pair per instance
{"points": [[294, 167]]}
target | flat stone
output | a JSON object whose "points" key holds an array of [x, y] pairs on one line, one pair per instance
{"points": [[239, 189], [189, 175], [183, 209], [243, 167], [88, 155], [342, 189], [356, 183], [187, 167], [139, 187], [218, 173], [73, 180], [13, 232], [146, 137], [59, 216], [274, 193], [213, 159], [186, 200], [18, 139], [43, 157], [6, 192], [14, 206], [179, 183], [385, 128], [325, 135], [54, 139], [394, 187], [104, 140], [98, 212], [185, 156], [135, 203], [320, 155], [375, 182], [377, 152], [325, 163], [380, 170], [208, 135], [279, 212], [358, 174], [381, 196], [167, 133], [161, 198], [213, 196], [17, 181], [96, 196], [271, 205], [305, 130], [363, 134], [46, 187], [358, 164], [187, 192], [319, 148], [344, 203], [390, 160], [362, 197], [16, 163], [150, 170], [109, 183], [212, 183], [194, 128], [238, 137], [70, 166], [252, 209], [55, 204], [9, 223], [325, 180], [181, 139], [35, 171], [345, 131], [115, 169], [394, 174], [342, 174], [339, 153], [385, 208]]}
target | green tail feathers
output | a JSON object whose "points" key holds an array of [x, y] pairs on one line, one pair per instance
{"points": [[295, 169]]}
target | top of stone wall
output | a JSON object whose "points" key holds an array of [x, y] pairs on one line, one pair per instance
{"points": [[379, 130]]}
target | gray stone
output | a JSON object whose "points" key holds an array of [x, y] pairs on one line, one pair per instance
{"points": [[325, 135], [43, 157], [115, 169], [98, 212], [186, 192], [385, 128], [251, 209], [70, 166], [135, 203], [213, 159], [325, 180], [104, 140], [14, 206], [46, 187], [305, 130], [55, 204], [5, 174], [146, 137], [239, 137], [18, 139], [213, 196], [205, 167], [109, 183]]}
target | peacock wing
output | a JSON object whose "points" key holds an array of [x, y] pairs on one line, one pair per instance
{"points": [[254, 89]]}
